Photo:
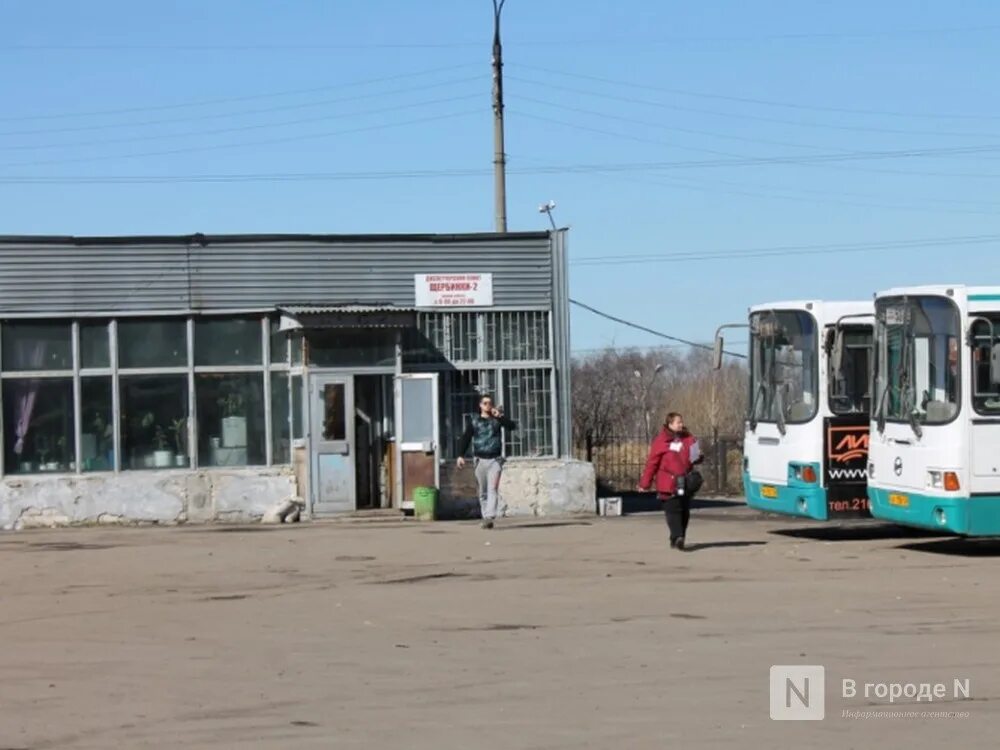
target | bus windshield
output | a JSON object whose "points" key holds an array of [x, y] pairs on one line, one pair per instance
{"points": [[985, 334], [783, 372], [917, 366], [850, 388]]}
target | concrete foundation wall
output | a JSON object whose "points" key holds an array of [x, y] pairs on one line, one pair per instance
{"points": [[555, 487], [144, 497], [528, 488]]}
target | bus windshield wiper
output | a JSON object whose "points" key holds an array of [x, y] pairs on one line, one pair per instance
{"points": [[780, 419], [907, 397], [753, 406]]}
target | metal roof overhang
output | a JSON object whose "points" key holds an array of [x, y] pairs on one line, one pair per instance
{"points": [[294, 317]]}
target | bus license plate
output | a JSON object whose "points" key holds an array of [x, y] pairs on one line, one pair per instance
{"points": [[769, 491], [901, 501]]}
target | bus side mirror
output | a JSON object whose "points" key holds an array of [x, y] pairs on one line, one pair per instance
{"points": [[837, 354], [995, 364], [717, 353]]}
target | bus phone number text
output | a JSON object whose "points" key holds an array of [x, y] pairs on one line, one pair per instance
{"points": [[855, 504]]}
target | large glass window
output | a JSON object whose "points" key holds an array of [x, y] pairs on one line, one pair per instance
{"points": [[918, 368], [38, 425], [227, 341], [231, 419], [281, 437], [783, 375], [30, 346], [345, 348], [95, 350], [152, 343], [154, 411], [850, 386], [97, 439], [298, 429], [279, 343], [154, 377], [985, 336]]}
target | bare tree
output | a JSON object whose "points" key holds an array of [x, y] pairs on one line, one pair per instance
{"points": [[627, 393]]}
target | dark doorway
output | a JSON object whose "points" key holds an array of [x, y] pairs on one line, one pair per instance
{"points": [[373, 443]]}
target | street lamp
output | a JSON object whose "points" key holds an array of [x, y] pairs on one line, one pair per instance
{"points": [[548, 208]]}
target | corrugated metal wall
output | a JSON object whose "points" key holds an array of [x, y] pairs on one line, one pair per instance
{"points": [[65, 275]]}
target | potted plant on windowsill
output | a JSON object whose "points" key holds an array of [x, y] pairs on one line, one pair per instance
{"points": [[163, 457], [234, 421], [179, 429]]}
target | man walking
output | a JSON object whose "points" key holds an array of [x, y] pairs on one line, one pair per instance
{"points": [[484, 433], [672, 457]]}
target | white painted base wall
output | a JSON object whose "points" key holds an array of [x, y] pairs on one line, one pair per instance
{"points": [[164, 497]]}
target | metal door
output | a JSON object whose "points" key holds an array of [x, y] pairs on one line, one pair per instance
{"points": [[332, 433], [417, 434]]}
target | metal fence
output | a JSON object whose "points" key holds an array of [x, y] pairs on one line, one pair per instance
{"points": [[619, 461]]}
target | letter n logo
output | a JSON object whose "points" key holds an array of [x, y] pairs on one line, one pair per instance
{"points": [[798, 693]]}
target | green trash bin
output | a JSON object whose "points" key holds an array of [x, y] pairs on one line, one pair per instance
{"points": [[425, 503]]}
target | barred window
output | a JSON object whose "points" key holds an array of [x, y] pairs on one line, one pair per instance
{"points": [[527, 398], [517, 336], [452, 337], [461, 392]]}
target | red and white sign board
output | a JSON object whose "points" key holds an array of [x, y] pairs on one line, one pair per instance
{"points": [[454, 289]]}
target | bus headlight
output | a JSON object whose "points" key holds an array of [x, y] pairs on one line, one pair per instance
{"points": [[943, 480]]}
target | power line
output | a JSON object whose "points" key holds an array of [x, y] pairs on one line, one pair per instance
{"points": [[664, 126], [738, 115], [584, 168], [659, 40], [821, 160], [238, 129], [243, 112], [232, 99], [988, 206], [550, 169], [750, 100], [761, 252], [591, 350], [243, 144], [170, 179], [711, 187], [668, 337]]}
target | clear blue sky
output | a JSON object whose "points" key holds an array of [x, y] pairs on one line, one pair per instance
{"points": [[628, 90]]}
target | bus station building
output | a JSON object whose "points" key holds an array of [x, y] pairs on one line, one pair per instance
{"points": [[172, 379]]}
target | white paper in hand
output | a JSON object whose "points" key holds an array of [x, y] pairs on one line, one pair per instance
{"points": [[695, 452]]}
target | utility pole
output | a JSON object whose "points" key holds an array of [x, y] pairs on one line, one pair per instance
{"points": [[499, 158]]}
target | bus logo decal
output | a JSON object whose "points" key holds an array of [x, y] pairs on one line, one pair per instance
{"points": [[848, 444]]}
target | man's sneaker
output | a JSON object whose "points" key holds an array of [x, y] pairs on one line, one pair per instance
{"points": [[488, 523], [679, 544], [673, 542]]}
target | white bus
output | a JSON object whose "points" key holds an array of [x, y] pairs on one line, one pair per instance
{"points": [[935, 445], [806, 442]]}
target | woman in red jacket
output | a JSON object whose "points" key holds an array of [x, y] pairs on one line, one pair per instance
{"points": [[672, 456]]}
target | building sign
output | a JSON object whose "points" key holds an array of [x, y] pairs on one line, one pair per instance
{"points": [[454, 289], [845, 467]]}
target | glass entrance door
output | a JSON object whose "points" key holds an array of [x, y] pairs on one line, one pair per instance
{"points": [[417, 430], [332, 433]]}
